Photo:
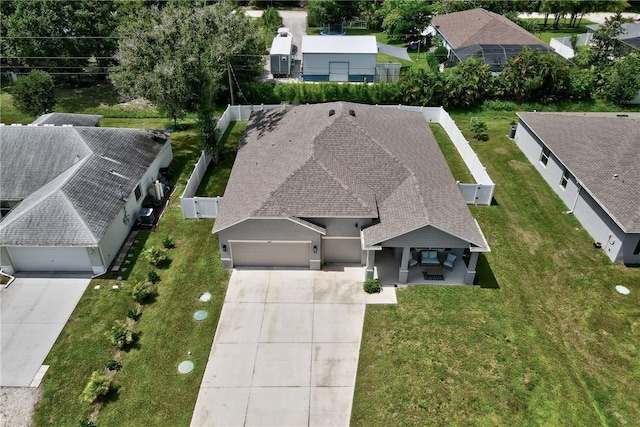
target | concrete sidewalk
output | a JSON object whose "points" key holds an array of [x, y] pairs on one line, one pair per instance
{"points": [[286, 349], [33, 312]]}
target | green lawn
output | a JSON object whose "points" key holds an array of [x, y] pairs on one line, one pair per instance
{"points": [[452, 156], [148, 390], [547, 33], [554, 345]]}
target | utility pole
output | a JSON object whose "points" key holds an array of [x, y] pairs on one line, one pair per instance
{"points": [[233, 102]]}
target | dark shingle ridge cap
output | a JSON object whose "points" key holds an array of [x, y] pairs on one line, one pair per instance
{"points": [[81, 220]]}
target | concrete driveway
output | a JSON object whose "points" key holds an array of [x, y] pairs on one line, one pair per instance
{"points": [[286, 350], [33, 311]]}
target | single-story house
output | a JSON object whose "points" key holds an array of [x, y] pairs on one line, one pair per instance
{"points": [[339, 58], [70, 191], [483, 34], [592, 161], [630, 36], [345, 183]]}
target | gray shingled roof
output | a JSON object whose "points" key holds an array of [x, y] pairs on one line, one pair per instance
{"points": [[382, 163], [59, 119], [68, 179], [594, 147], [481, 27]]}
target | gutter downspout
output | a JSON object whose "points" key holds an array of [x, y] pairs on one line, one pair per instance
{"points": [[575, 202]]}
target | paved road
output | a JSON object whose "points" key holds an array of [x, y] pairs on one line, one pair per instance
{"points": [[296, 21], [598, 17], [33, 313]]}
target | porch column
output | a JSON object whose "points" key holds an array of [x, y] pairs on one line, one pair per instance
{"points": [[404, 265], [471, 269], [371, 260]]}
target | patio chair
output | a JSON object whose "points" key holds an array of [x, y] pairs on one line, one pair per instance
{"points": [[449, 260]]}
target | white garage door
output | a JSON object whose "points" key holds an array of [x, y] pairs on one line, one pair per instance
{"points": [[338, 71], [50, 259], [342, 251], [270, 254]]}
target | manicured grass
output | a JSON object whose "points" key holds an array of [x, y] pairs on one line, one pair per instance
{"points": [[452, 156], [554, 345], [215, 180]]}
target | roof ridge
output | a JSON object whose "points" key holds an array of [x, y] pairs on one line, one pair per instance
{"points": [[342, 183]]}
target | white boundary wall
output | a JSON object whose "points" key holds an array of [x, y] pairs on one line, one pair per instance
{"points": [[480, 193]]}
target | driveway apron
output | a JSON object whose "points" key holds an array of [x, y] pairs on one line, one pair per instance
{"points": [[285, 351]]}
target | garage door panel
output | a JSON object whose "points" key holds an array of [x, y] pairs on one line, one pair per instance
{"points": [[50, 259], [342, 251], [270, 254], [339, 71]]}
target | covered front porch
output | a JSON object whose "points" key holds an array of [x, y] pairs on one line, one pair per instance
{"points": [[388, 261]]}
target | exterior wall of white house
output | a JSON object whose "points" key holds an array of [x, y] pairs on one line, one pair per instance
{"points": [[315, 66], [119, 228], [343, 227], [426, 237], [578, 201], [5, 262], [267, 230], [629, 245]]}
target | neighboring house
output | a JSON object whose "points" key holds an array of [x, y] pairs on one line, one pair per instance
{"points": [[630, 37], [71, 193], [592, 161], [343, 183], [339, 58], [485, 35]]}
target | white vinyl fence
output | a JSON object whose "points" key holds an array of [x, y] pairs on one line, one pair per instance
{"points": [[479, 193]]}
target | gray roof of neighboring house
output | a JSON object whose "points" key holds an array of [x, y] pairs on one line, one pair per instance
{"points": [[59, 119], [69, 179], [630, 35], [481, 27], [339, 44], [381, 163], [594, 147]]}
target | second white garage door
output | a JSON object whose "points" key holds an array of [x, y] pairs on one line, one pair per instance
{"points": [[342, 251], [270, 254]]}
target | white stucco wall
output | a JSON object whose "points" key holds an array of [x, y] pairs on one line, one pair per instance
{"points": [[344, 227], [426, 237]]}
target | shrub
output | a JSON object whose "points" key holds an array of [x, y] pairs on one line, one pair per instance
{"points": [[479, 128], [155, 256], [441, 53], [97, 387], [120, 335], [133, 314], [33, 94], [142, 291], [86, 423], [114, 365], [153, 276], [168, 242], [372, 286]]}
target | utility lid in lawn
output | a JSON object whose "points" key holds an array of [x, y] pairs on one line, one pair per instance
{"points": [[623, 290]]}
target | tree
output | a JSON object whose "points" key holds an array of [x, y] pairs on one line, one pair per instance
{"points": [[406, 18], [63, 34], [622, 83], [467, 84], [333, 11], [604, 43], [535, 76], [33, 94], [178, 57]]}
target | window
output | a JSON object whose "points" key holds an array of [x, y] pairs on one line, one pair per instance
{"points": [[565, 178], [544, 157], [637, 249], [137, 192]]}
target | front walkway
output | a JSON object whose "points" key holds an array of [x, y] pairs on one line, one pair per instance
{"points": [[286, 349]]}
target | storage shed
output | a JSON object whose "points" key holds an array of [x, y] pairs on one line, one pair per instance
{"points": [[339, 58], [280, 53]]}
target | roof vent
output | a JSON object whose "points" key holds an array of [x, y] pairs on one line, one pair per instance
{"points": [[352, 113], [332, 112]]}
